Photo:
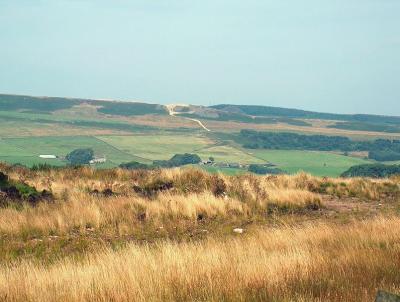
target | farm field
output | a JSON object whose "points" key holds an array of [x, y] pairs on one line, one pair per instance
{"points": [[30, 160], [26, 150], [12, 153], [165, 146], [118, 149], [229, 154], [316, 163], [146, 148], [156, 146]]}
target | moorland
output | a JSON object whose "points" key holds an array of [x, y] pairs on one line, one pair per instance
{"points": [[183, 234]]}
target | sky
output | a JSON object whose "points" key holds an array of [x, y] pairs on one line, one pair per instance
{"points": [[333, 56]]}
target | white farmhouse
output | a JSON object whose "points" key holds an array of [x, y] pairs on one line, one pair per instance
{"points": [[98, 160]]}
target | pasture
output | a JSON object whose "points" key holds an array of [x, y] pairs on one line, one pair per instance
{"points": [[146, 148], [163, 146], [156, 146], [229, 154], [26, 150], [119, 149], [313, 162]]}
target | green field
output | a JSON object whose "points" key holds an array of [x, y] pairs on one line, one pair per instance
{"points": [[29, 161], [228, 154], [118, 149], [146, 148], [27, 150], [316, 163], [156, 146], [165, 146]]}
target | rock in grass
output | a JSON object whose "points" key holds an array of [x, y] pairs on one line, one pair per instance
{"points": [[238, 230]]}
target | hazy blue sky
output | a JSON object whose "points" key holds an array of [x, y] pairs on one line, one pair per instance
{"points": [[325, 55]]}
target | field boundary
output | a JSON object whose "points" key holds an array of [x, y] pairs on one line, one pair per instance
{"points": [[124, 152]]}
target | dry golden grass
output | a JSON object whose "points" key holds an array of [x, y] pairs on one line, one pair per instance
{"points": [[125, 212], [319, 262], [142, 246], [193, 195]]}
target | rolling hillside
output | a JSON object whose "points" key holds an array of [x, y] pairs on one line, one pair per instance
{"points": [[137, 131], [51, 104], [238, 113]]}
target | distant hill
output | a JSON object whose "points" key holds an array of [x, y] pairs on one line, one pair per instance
{"points": [[237, 113], [359, 122], [255, 110], [51, 104]]}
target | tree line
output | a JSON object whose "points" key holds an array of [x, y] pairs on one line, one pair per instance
{"points": [[372, 170], [379, 149]]}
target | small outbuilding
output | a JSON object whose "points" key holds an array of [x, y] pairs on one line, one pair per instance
{"points": [[48, 156]]}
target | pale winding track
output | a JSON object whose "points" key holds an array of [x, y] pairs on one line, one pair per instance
{"points": [[172, 112]]}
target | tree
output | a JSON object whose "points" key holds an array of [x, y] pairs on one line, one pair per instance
{"points": [[80, 156], [185, 159], [178, 160]]}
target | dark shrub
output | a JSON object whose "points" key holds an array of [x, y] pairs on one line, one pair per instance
{"points": [[3, 179], [141, 216], [12, 193], [19, 191], [134, 165], [108, 192], [218, 186], [263, 169], [44, 167], [151, 189]]}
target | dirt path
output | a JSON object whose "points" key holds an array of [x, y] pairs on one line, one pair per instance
{"points": [[172, 112], [199, 122]]}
